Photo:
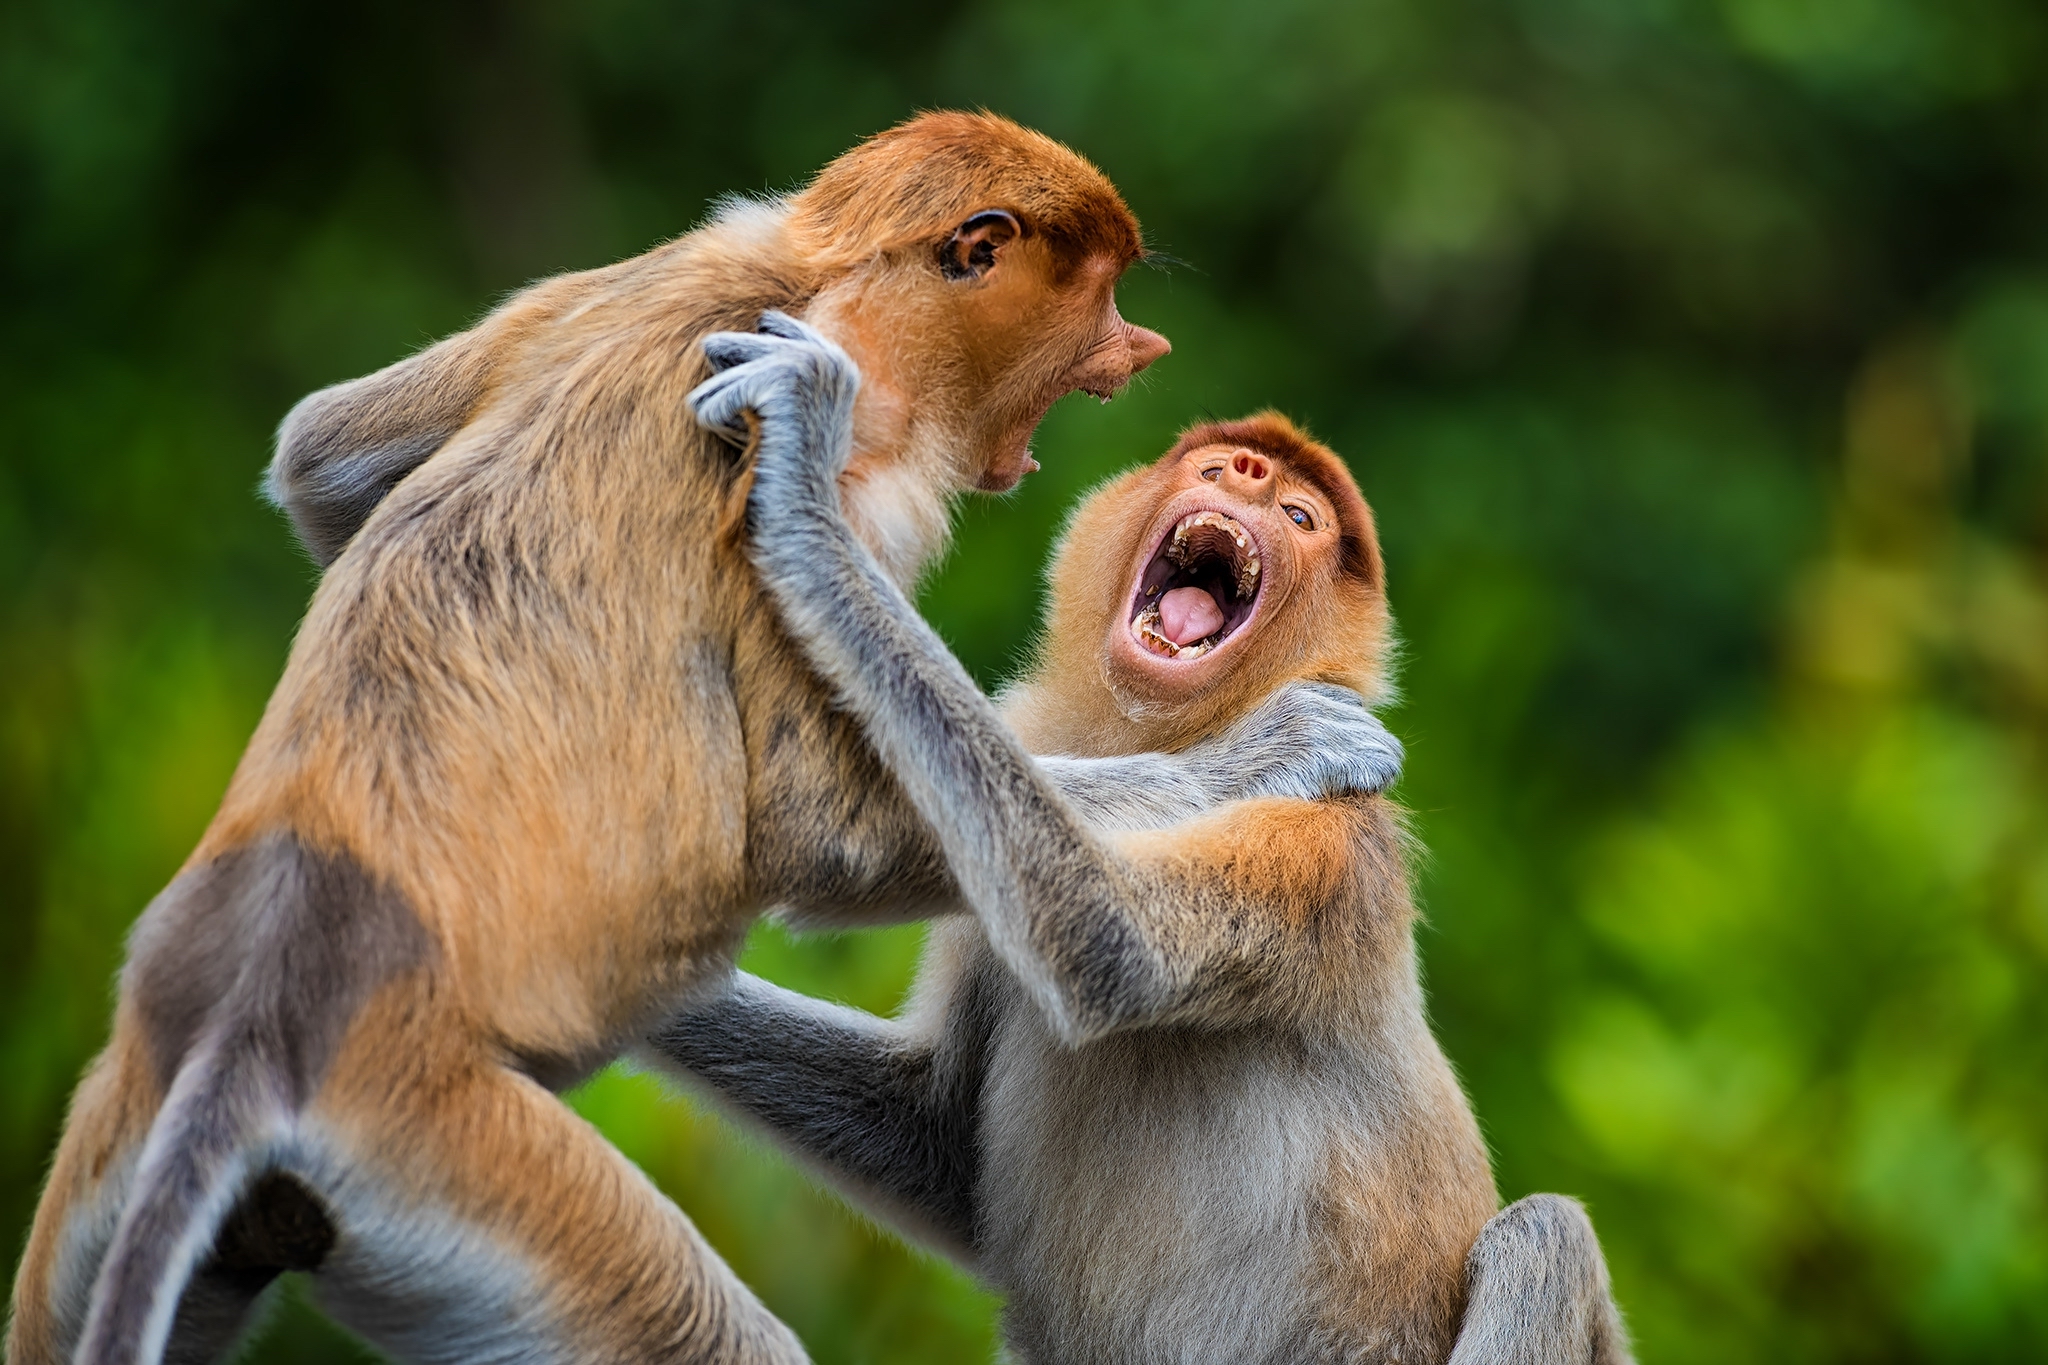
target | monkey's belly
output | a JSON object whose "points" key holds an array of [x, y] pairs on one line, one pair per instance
{"points": [[1149, 1197]]}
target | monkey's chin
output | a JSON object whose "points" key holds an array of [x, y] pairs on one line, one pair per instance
{"points": [[1007, 471]]}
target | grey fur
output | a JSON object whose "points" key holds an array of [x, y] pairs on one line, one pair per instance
{"points": [[1065, 915], [246, 1036], [342, 449], [1537, 1292], [1018, 1073], [275, 941], [886, 1112]]}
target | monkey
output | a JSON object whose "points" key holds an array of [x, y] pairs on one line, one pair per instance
{"points": [[1170, 1086], [540, 753]]}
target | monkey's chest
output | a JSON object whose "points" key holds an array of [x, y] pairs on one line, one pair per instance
{"points": [[1149, 1197]]}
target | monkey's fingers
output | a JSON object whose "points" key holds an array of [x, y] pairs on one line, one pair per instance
{"points": [[1313, 741], [777, 323], [727, 349], [720, 402]]}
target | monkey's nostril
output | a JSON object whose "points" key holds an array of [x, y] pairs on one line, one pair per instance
{"points": [[1249, 465]]}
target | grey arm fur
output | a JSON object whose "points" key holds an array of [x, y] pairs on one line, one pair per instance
{"points": [[1308, 741], [885, 1110], [1069, 917]]}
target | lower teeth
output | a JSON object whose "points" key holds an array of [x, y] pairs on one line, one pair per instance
{"points": [[1147, 628]]}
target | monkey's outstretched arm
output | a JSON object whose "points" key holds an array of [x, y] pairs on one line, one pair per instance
{"points": [[1196, 923], [885, 1109]]}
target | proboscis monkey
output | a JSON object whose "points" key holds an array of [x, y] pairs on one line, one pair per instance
{"points": [[1171, 1088], [541, 752]]}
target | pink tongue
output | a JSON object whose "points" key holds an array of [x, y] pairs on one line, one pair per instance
{"points": [[1189, 614]]}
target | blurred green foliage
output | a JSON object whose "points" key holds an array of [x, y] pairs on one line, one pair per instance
{"points": [[1694, 354]]}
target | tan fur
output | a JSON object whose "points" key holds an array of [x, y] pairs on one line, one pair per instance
{"points": [[541, 701]]}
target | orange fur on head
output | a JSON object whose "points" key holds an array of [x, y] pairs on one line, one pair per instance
{"points": [[1333, 626], [1272, 433], [924, 175]]}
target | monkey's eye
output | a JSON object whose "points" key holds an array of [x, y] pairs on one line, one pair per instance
{"points": [[1213, 474], [1301, 518]]}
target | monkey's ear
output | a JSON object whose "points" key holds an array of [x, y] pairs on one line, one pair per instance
{"points": [[971, 251]]}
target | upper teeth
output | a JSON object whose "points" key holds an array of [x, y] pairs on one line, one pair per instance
{"points": [[1247, 572]]}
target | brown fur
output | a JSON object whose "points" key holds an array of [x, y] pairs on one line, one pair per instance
{"points": [[540, 704], [1340, 634]]}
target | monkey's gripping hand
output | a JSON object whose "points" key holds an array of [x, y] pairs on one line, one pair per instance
{"points": [[800, 386], [1308, 741]]}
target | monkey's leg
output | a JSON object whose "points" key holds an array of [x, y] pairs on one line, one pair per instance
{"points": [[75, 1219], [89, 1189], [478, 1219], [1536, 1291]]}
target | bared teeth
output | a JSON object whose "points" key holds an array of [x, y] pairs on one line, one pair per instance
{"points": [[1247, 572], [1228, 525], [1145, 627]]}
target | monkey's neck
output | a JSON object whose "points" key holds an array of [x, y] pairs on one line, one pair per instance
{"points": [[1085, 719], [900, 512]]}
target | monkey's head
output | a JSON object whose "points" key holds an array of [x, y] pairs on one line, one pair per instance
{"points": [[973, 267], [1242, 559]]}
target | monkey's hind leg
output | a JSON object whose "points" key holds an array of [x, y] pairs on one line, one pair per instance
{"points": [[75, 1219], [276, 1225], [1536, 1291], [479, 1219]]}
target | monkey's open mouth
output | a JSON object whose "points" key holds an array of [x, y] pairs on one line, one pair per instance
{"points": [[1199, 587]]}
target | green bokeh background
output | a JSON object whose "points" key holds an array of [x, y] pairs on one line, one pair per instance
{"points": [[1694, 354]]}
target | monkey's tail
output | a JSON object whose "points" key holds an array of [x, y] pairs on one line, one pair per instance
{"points": [[224, 1104]]}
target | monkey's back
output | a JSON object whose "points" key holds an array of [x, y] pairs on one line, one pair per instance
{"points": [[513, 696]]}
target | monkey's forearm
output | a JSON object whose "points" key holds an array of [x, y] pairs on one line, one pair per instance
{"points": [[857, 1096], [1308, 741]]}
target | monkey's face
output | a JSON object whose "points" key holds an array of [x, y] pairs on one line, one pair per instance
{"points": [[965, 344], [1234, 565]]}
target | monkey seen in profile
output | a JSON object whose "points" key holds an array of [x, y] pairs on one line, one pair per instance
{"points": [[1171, 1087], [541, 752]]}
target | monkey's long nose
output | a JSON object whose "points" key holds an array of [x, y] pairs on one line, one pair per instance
{"points": [[1146, 345]]}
